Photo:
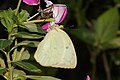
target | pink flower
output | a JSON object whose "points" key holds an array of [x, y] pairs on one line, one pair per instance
{"points": [[88, 77], [59, 13], [32, 2]]}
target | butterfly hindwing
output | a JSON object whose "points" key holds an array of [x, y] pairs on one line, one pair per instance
{"points": [[56, 50]]}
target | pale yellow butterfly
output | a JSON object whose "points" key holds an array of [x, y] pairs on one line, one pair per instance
{"points": [[56, 50]]}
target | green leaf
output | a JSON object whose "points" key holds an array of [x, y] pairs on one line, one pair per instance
{"points": [[27, 66], [23, 16], [115, 43], [2, 63], [41, 77], [1, 12], [2, 70], [83, 34], [25, 55], [9, 21], [33, 28], [19, 75], [28, 35], [106, 26], [29, 43], [4, 43], [8, 24]]}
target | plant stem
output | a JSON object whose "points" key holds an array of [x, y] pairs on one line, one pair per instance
{"points": [[94, 66], [10, 75], [93, 60], [10, 67], [18, 6], [15, 51], [106, 66], [38, 21]]}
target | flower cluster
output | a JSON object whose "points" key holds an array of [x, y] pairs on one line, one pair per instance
{"points": [[59, 12]]}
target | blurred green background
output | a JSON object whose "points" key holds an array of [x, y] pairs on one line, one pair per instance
{"points": [[93, 26]]}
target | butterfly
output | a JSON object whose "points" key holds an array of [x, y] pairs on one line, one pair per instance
{"points": [[56, 50]]}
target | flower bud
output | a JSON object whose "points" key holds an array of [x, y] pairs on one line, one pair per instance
{"points": [[88, 77]]}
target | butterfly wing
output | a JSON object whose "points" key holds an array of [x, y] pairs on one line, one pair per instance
{"points": [[68, 59], [56, 50]]}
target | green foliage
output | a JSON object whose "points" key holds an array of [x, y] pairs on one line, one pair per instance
{"points": [[103, 40], [9, 21], [2, 70], [83, 34], [27, 66], [25, 55], [42, 77], [2, 63], [29, 43], [19, 75], [4, 43], [33, 28], [23, 16], [105, 31], [106, 26], [28, 35]]}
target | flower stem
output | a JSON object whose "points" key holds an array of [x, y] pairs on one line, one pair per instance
{"points": [[18, 6], [38, 21]]}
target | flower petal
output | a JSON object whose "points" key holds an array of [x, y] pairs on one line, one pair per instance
{"points": [[48, 3], [59, 12], [32, 2], [46, 26]]}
